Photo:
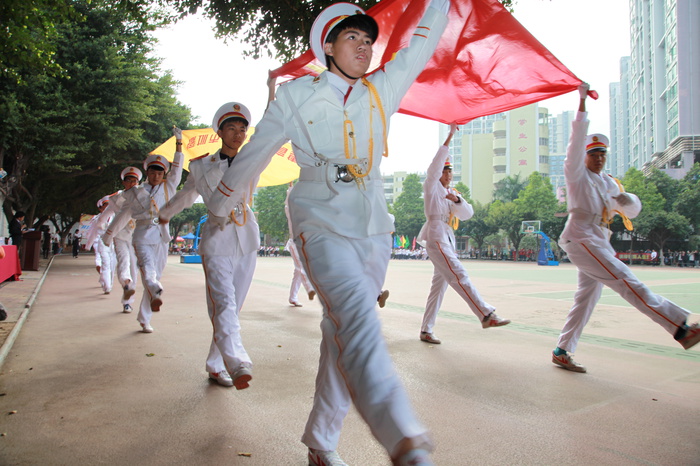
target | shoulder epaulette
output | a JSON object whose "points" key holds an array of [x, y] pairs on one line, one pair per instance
{"points": [[200, 157]]}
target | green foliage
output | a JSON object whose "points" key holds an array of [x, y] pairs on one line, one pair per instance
{"points": [[538, 202], [660, 226], [189, 216], [64, 139], [277, 28], [688, 200], [269, 206], [478, 228], [668, 187], [464, 191], [647, 192], [505, 216], [408, 208], [508, 189]]}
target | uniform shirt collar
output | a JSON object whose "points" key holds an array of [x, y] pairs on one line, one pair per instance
{"points": [[338, 84]]}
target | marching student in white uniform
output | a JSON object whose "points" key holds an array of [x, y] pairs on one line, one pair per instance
{"points": [[337, 123], [443, 205], [105, 259], [593, 199], [299, 277], [150, 239], [127, 268], [228, 254]]}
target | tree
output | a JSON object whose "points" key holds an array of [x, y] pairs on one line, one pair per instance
{"points": [[538, 202], [189, 216], [409, 215], [688, 201], [478, 228], [464, 191], [660, 226], [64, 139], [505, 216], [508, 189], [279, 28], [668, 187], [269, 206]]}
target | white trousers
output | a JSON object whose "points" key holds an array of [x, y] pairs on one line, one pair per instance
{"points": [[151, 259], [448, 270], [105, 259], [299, 278], [355, 365], [597, 267], [126, 265], [228, 280]]}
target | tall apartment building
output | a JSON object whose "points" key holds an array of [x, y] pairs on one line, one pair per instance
{"points": [[619, 155], [664, 97], [490, 148], [559, 132]]}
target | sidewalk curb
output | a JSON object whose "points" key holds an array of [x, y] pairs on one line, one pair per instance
{"points": [[10, 340]]}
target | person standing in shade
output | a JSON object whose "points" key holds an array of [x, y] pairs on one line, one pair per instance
{"points": [[76, 243], [142, 204], [593, 199], [338, 123], [228, 254], [16, 227], [444, 207], [127, 268]]}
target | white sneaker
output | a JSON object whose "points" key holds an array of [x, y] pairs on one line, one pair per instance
{"points": [[294, 303], [222, 378], [566, 361], [492, 320], [242, 376], [325, 458], [146, 328], [127, 309], [417, 457]]}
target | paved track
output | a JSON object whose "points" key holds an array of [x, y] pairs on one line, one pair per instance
{"points": [[88, 388]]}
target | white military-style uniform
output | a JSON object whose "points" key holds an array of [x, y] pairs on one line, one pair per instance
{"points": [[228, 258], [299, 276], [437, 235], [342, 230], [105, 257], [586, 240], [127, 268], [142, 203]]}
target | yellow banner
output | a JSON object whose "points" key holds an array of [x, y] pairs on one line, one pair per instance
{"points": [[197, 142]]}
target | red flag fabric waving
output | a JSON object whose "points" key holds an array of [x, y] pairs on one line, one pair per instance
{"points": [[486, 62]]}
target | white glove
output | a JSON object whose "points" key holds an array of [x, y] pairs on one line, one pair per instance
{"points": [[583, 89], [453, 128], [177, 132], [623, 199], [219, 222], [107, 240]]}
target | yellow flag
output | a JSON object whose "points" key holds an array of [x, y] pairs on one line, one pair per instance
{"points": [[197, 142]]}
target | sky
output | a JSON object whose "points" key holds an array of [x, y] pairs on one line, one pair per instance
{"points": [[587, 36]]}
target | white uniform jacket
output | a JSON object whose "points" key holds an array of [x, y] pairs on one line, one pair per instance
{"points": [[589, 194], [438, 209], [116, 203], [346, 209], [205, 174], [142, 203], [98, 225]]}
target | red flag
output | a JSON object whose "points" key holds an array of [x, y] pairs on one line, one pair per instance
{"points": [[413, 244], [486, 62]]}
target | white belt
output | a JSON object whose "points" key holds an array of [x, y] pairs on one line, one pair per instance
{"points": [[587, 219], [441, 218], [326, 171]]}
